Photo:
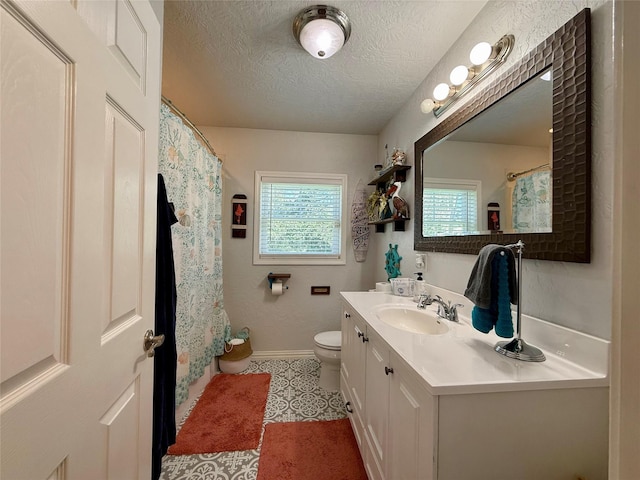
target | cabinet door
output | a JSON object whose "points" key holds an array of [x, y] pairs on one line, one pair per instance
{"points": [[354, 357], [412, 413], [377, 395], [352, 370]]}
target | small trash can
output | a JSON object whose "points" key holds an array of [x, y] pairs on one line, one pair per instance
{"points": [[237, 353]]}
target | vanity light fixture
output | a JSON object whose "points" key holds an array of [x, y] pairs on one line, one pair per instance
{"points": [[321, 30], [484, 58]]}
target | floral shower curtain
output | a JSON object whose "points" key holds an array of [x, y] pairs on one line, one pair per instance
{"points": [[531, 203], [194, 185]]}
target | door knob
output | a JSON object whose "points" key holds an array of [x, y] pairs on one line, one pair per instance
{"points": [[151, 342]]}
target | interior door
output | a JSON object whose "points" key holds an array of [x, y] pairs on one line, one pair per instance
{"points": [[79, 127]]}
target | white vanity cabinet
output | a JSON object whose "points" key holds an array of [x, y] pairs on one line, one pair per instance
{"points": [[392, 415], [449, 408]]}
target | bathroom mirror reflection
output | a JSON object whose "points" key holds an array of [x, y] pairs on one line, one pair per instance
{"points": [[503, 158], [562, 231]]}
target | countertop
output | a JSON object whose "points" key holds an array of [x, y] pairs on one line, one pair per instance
{"points": [[463, 360]]}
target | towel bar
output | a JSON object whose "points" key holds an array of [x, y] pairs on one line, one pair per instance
{"points": [[517, 348]]}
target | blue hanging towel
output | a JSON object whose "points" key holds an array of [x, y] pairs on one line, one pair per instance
{"points": [[504, 323], [492, 287]]}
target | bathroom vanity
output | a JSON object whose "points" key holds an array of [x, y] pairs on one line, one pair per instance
{"points": [[424, 404]]}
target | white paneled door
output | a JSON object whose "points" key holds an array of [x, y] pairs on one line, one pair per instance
{"points": [[79, 133]]}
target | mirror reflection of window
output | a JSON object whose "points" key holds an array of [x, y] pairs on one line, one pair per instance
{"points": [[450, 206]]}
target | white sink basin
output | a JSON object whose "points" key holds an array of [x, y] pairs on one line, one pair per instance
{"points": [[412, 319]]}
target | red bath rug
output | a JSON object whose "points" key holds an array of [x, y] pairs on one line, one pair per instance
{"points": [[314, 450], [227, 417]]}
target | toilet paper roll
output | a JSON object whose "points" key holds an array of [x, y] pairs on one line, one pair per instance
{"points": [[383, 287], [276, 288]]}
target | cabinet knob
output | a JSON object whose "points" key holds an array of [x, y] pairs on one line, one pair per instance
{"points": [[347, 407], [360, 334], [388, 370], [364, 339], [347, 315]]}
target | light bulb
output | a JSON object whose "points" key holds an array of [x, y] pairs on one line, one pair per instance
{"points": [[459, 75], [322, 38], [427, 105], [441, 91], [480, 53]]}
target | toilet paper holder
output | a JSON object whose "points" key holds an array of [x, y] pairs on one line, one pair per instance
{"points": [[272, 277]]}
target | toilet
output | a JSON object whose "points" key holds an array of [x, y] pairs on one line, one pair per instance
{"points": [[327, 350]]}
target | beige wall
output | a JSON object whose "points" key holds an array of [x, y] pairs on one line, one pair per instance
{"points": [[290, 321], [574, 295]]}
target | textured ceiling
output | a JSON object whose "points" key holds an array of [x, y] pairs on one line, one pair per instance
{"points": [[236, 63]]}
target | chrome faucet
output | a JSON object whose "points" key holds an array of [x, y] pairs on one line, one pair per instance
{"points": [[424, 299], [446, 310]]}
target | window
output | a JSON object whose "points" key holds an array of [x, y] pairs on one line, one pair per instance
{"points": [[299, 219], [450, 206]]}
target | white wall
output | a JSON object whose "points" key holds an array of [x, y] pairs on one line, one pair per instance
{"points": [[290, 321], [578, 296]]}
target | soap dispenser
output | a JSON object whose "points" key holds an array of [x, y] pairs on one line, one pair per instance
{"points": [[420, 287]]}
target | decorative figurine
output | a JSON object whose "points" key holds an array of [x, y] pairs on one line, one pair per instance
{"points": [[392, 262], [398, 157], [387, 159], [400, 205]]}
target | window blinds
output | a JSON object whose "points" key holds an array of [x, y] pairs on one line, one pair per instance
{"points": [[300, 218], [449, 209]]}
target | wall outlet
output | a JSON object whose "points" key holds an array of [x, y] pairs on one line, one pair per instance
{"points": [[421, 262]]}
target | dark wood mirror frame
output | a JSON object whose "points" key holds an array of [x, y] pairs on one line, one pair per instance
{"points": [[568, 53]]}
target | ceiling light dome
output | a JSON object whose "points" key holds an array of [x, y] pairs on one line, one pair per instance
{"points": [[321, 30]]}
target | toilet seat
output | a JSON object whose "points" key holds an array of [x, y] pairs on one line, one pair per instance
{"points": [[329, 340]]}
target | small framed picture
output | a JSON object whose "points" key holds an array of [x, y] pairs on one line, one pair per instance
{"points": [[239, 216]]}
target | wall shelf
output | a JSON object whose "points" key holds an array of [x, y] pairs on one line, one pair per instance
{"points": [[395, 173], [398, 224]]}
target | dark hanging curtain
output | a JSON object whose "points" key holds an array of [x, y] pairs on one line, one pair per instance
{"points": [[164, 379]]}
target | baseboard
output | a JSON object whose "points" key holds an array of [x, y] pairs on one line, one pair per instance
{"points": [[282, 354]]}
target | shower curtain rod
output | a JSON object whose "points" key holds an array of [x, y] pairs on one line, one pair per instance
{"points": [[189, 124], [512, 176]]}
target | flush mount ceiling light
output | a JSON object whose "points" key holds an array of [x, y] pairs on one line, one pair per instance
{"points": [[321, 30], [484, 59]]}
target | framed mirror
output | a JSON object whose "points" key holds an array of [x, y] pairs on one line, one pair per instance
{"points": [[472, 159]]}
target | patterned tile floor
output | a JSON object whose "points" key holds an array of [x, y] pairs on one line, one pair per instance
{"points": [[294, 395]]}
